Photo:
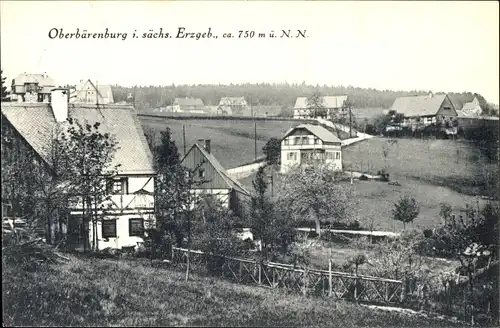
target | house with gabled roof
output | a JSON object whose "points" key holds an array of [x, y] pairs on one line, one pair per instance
{"points": [[188, 104], [425, 110], [131, 190], [333, 104], [471, 109], [216, 181], [89, 93], [234, 105], [31, 88], [308, 144]]}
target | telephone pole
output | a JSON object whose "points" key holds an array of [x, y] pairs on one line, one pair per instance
{"points": [[255, 137], [184, 138]]}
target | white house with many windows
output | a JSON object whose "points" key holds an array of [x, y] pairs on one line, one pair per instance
{"points": [[308, 144]]}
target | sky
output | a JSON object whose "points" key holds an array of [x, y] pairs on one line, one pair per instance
{"points": [[440, 46]]}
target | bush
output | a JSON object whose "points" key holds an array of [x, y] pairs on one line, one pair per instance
{"points": [[370, 129], [363, 177], [384, 176]]}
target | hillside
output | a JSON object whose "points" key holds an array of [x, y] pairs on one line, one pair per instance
{"points": [[91, 292], [232, 140], [455, 164], [281, 95]]}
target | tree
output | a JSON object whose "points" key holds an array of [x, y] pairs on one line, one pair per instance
{"points": [[316, 105], [272, 150], [5, 93], [405, 210], [267, 223], [317, 194], [87, 156]]}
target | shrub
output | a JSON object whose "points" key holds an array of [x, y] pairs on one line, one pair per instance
{"points": [[384, 175], [363, 177]]}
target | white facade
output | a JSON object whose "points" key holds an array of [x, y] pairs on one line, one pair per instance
{"points": [[131, 205], [307, 150]]}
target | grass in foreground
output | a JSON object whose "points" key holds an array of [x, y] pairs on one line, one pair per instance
{"points": [[87, 292]]}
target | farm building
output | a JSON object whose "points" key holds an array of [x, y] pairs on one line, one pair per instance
{"points": [[191, 105], [33, 127], [308, 144], [234, 105], [471, 109], [88, 93], [333, 105], [32, 88], [424, 110], [212, 177]]}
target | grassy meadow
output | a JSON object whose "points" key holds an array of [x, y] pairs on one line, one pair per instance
{"points": [[232, 140], [449, 163], [105, 292]]}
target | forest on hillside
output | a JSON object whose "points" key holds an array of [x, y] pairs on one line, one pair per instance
{"points": [[266, 94]]}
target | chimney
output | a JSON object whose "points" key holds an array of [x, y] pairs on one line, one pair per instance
{"points": [[207, 145], [59, 103]]}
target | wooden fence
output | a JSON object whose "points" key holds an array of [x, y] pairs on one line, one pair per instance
{"points": [[327, 283]]}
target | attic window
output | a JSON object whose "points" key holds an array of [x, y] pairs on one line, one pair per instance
{"points": [[201, 173]]}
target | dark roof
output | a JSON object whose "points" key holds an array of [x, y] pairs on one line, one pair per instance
{"points": [[418, 105], [231, 183], [189, 101], [318, 131], [36, 123]]}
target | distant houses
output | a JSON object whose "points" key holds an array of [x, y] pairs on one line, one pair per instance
{"points": [[89, 93], [214, 178], [471, 109], [32, 88], [234, 105], [188, 105], [424, 110], [333, 105], [308, 144]]}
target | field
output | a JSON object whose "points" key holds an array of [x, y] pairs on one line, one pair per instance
{"points": [[232, 141], [454, 164], [91, 292]]}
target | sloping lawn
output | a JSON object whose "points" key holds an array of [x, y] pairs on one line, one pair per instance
{"points": [[450, 163], [88, 292]]}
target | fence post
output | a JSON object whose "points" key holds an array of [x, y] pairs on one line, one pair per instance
{"points": [[241, 271], [330, 277], [403, 289], [305, 282], [356, 288], [260, 272], [386, 291], [172, 253]]}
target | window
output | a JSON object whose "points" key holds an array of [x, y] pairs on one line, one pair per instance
{"points": [[136, 227], [286, 142], [201, 173], [316, 141], [117, 186], [337, 155], [305, 140], [292, 156], [297, 140], [109, 229]]}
